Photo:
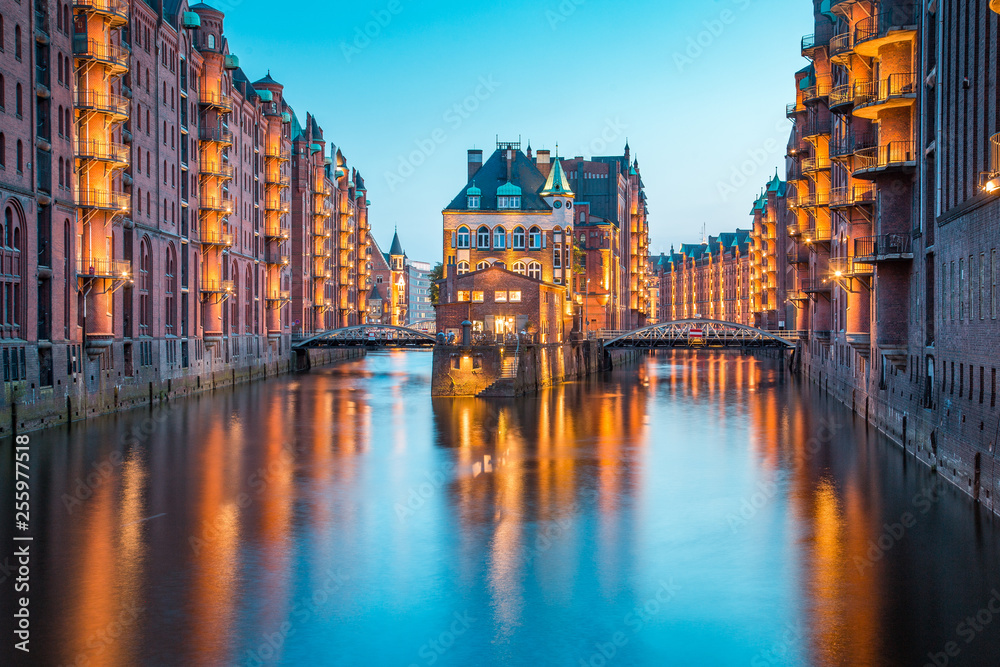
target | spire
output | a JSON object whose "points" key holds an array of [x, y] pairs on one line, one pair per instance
{"points": [[396, 248], [556, 183]]}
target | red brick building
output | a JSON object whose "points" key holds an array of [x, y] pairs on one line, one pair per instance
{"points": [[499, 302], [145, 191]]}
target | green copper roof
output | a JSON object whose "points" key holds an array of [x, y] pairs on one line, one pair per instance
{"points": [[556, 183], [474, 191], [508, 189]]}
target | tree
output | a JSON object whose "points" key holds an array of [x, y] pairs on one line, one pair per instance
{"points": [[436, 274]]}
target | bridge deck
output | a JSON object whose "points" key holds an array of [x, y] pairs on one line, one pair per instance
{"points": [[697, 333]]}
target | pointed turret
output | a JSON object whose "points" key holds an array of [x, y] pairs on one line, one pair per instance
{"points": [[396, 248], [556, 185]]}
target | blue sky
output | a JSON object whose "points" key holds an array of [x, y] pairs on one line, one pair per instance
{"points": [[698, 89]]}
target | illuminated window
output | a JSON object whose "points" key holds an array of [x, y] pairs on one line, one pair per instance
{"points": [[519, 268], [463, 295], [483, 238], [535, 238], [482, 265], [463, 268], [515, 296], [477, 297], [500, 297], [535, 270], [463, 237]]}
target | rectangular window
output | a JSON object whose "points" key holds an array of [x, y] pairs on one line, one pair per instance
{"points": [[515, 296], [982, 285], [500, 297], [463, 295], [477, 297]]}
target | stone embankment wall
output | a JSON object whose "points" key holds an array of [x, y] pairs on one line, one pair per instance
{"points": [[33, 409], [477, 371]]}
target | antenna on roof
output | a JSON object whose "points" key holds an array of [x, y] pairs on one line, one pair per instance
{"points": [[704, 233]]}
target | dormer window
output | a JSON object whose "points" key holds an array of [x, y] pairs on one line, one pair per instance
{"points": [[508, 196], [509, 202], [474, 201], [474, 197]]}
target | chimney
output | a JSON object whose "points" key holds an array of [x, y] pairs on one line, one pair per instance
{"points": [[544, 157], [509, 155], [475, 162]]}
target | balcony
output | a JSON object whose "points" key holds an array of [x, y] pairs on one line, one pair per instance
{"points": [[112, 55], [894, 156], [213, 238], [814, 164], [891, 24], [884, 248], [280, 180], [116, 11], [103, 200], [793, 108], [320, 230], [816, 286], [895, 90], [103, 151], [216, 170], [279, 297], [793, 229], [218, 101], [811, 43], [217, 135], [817, 92], [214, 286], [814, 235], [277, 232], [845, 146], [276, 257], [854, 195], [272, 206], [222, 204], [840, 47], [816, 127], [104, 269], [116, 106], [276, 153]]}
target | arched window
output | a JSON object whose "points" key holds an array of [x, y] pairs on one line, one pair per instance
{"points": [[13, 269], [170, 289], [535, 270], [482, 265], [519, 268], [519, 238], [463, 237], [20, 156], [463, 268], [499, 238], [61, 180], [18, 99], [145, 268], [17, 42], [248, 308], [535, 239], [70, 280], [211, 41], [235, 308], [483, 238]]}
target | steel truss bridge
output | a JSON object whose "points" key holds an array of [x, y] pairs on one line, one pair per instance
{"points": [[696, 333], [373, 335]]}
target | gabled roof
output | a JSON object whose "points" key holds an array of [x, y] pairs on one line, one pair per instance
{"points": [[556, 183], [375, 294], [493, 175], [267, 80]]}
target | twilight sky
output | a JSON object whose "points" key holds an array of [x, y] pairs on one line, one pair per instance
{"points": [[698, 88]]}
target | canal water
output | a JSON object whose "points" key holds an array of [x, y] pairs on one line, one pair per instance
{"points": [[695, 509]]}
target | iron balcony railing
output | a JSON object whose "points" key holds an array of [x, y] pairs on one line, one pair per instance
{"points": [[841, 44], [109, 54], [793, 108], [105, 151], [818, 90], [104, 200], [812, 164], [117, 9], [276, 257], [893, 154], [275, 153], [797, 255], [281, 296], [277, 231], [217, 101], [216, 135], [216, 286], [901, 84], [216, 169], [849, 143], [888, 19], [853, 195], [92, 267], [276, 206], [815, 285], [871, 249], [217, 238], [816, 234], [280, 180], [109, 103], [817, 125], [221, 204]]}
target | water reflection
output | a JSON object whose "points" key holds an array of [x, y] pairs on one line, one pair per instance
{"points": [[697, 509]]}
